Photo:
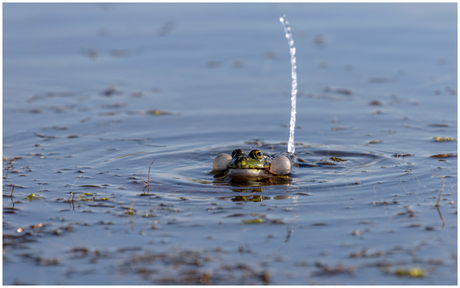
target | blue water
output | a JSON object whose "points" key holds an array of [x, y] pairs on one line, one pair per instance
{"points": [[376, 83]]}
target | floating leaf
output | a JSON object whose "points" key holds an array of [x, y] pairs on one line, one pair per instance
{"points": [[253, 221], [443, 139], [87, 194], [33, 196], [412, 272]]}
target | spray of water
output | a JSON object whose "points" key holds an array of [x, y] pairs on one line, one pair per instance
{"points": [[287, 30]]}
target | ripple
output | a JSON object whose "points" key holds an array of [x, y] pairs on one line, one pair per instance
{"points": [[315, 169]]}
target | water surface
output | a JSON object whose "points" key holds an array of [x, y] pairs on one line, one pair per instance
{"points": [[93, 93]]}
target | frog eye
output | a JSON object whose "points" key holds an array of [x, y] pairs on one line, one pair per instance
{"points": [[256, 154], [237, 152]]}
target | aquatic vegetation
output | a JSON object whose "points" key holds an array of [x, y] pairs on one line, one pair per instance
{"points": [[253, 221], [411, 272], [325, 270], [336, 159], [398, 155], [448, 155], [148, 179], [375, 103], [392, 202], [374, 142], [112, 90], [33, 196], [364, 253], [46, 261], [72, 194], [440, 191], [443, 139], [12, 190], [83, 196], [9, 163], [130, 210], [86, 194], [159, 112]]}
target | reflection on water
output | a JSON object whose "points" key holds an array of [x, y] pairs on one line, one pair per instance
{"points": [[256, 198], [275, 180]]}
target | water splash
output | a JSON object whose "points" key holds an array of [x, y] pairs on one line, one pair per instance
{"points": [[287, 30]]}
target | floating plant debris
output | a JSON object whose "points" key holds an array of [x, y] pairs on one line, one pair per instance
{"points": [[336, 159], [324, 163], [398, 155], [159, 112], [375, 103], [282, 197], [253, 221], [438, 125], [45, 137], [411, 272], [111, 91], [443, 139], [10, 209], [444, 155], [385, 202], [33, 196], [325, 270]]}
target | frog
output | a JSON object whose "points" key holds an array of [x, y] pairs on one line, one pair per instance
{"points": [[250, 166]]}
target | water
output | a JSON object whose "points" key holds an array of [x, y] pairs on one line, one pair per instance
{"points": [[93, 93], [287, 29]]}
